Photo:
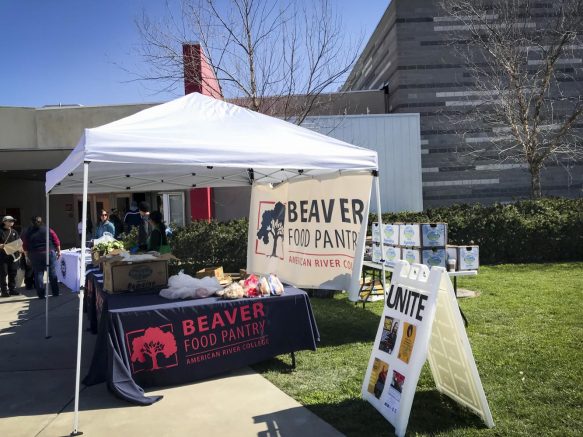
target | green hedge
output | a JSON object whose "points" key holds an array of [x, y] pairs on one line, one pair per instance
{"points": [[204, 244], [526, 231]]}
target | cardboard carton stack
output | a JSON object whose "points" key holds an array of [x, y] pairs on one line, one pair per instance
{"points": [[423, 243]]}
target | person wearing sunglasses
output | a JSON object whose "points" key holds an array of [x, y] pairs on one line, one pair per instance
{"points": [[104, 225]]}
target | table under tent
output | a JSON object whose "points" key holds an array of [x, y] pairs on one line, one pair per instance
{"points": [[192, 142]]}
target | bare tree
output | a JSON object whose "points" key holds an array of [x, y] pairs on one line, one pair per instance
{"points": [[526, 65], [275, 57]]}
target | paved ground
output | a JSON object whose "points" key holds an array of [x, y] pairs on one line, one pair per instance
{"points": [[37, 379]]}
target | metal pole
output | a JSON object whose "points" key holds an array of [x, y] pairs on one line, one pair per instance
{"points": [[382, 233], [76, 431], [47, 262]]}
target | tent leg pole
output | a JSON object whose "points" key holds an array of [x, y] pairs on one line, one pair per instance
{"points": [[76, 431], [382, 233], [47, 262]]}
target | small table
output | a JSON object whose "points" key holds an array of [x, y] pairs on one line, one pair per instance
{"points": [[145, 340], [369, 289]]}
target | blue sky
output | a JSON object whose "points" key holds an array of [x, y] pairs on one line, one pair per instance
{"points": [[72, 51]]}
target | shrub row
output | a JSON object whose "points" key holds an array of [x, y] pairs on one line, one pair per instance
{"points": [[548, 229], [203, 244], [526, 231]]}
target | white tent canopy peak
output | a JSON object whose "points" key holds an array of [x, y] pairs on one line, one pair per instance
{"points": [[198, 141]]}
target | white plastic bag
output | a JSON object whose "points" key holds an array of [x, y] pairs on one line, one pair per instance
{"points": [[183, 286], [106, 238]]}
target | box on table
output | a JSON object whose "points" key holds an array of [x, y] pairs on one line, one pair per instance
{"points": [[433, 234], [468, 257], [434, 256], [392, 254], [120, 276], [376, 253], [451, 252], [376, 235], [410, 234], [217, 272], [411, 255], [391, 234]]}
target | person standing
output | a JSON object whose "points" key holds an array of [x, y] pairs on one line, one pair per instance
{"points": [[117, 224], [132, 218], [8, 263], [34, 245], [104, 225], [157, 237], [144, 227]]}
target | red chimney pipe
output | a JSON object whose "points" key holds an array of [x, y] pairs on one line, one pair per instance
{"points": [[199, 77]]}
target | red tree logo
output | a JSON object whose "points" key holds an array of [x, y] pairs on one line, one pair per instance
{"points": [[154, 342]]}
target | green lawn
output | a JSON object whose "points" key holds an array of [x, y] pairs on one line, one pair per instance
{"points": [[526, 333]]}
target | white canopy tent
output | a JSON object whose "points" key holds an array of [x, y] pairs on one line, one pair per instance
{"points": [[195, 141]]}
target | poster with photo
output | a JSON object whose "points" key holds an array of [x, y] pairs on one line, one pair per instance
{"points": [[407, 342], [393, 400], [389, 335], [378, 378]]}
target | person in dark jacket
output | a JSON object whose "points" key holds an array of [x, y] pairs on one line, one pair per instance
{"points": [[8, 263], [34, 245], [157, 237], [118, 225], [144, 227], [132, 218]]}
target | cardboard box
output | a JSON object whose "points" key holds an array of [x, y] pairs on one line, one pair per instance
{"points": [[392, 254], [451, 252], [468, 258], [433, 234], [410, 235], [376, 253], [391, 234], [217, 272], [121, 276], [411, 255], [435, 256], [376, 235]]}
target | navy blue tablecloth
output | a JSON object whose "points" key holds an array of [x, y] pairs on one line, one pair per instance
{"points": [[145, 340]]}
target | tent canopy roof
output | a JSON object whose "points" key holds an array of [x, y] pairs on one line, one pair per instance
{"points": [[198, 141]]}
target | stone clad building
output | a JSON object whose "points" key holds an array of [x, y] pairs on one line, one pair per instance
{"points": [[411, 59]]}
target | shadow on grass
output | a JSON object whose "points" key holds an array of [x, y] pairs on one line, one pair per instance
{"points": [[280, 364], [432, 413], [341, 322]]}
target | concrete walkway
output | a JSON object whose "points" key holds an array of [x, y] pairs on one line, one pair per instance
{"points": [[37, 381]]}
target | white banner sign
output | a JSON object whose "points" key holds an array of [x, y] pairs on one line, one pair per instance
{"points": [[310, 232], [416, 300]]}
